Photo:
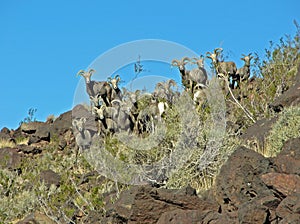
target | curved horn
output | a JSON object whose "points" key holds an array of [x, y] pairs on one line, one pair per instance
{"points": [[218, 50], [194, 60], [185, 60], [91, 71], [81, 72], [109, 79], [117, 77], [175, 62], [208, 54], [171, 82]]}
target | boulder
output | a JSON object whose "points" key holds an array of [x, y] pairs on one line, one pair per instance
{"points": [[10, 158], [145, 204], [286, 184], [289, 209], [5, 134], [288, 160], [239, 180], [49, 177]]}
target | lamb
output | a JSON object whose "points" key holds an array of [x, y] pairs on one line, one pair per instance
{"points": [[244, 72], [94, 88], [228, 68], [116, 92], [82, 135]]}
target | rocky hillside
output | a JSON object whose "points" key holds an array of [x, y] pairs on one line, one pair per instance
{"points": [[255, 178]]}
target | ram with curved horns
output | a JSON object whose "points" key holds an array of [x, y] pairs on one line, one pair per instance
{"points": [[116, 92], [94, 88], [224, 67]]}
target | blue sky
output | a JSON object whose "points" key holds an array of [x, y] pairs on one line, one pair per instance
{"points": [[44, 43]]}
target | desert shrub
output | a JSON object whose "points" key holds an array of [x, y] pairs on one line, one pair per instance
{"points": [[287, 127]]}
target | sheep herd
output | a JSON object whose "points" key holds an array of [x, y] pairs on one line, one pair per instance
{"points": [[117, 110]]}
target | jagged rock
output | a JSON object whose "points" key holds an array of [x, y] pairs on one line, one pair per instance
{"points": [[286, 184], [30, 128], [288, 160], [251, 212], [26, 149], [289, 209], [259, 131], [61, 124], [36, 217], [5, 133], [144, 204], [50, 177], [238, 181], [10, 158], [182, 216], [42, 134]]}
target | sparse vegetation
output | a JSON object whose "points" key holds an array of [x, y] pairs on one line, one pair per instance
{"points": [[82, 191]]}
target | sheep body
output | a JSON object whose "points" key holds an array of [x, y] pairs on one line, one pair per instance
{"points": [[83, 136]]}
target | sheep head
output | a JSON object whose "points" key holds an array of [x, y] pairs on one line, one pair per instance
{"points": [[247, 59], [181, 63], [199, 61], [86, 75], [114, 81], [79, 124]]}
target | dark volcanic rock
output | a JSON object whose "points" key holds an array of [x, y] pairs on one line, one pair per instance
{"points": [[144, 204], [239, 181], [5, 133], [288, 160], [27, 149], [251, 212], [50, 177], [10, 158], [286, 184], [259, 131], [42, 133], [61, 124], [289, 209]]}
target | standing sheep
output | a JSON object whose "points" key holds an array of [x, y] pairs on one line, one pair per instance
{"points": [[244, 72], [227, 68], [116, 92], [94, 88], [82, 135]]}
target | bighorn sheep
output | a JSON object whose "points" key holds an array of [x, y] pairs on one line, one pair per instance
{"points": [[228, 68], [105, 125], [123, 119], [94, 88], [116, 92], [184, 73], [83, 136], [199, 94], [146, 118], [198, 75], [131, 101], [163, 90], [96, 101], [244, 72]]}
